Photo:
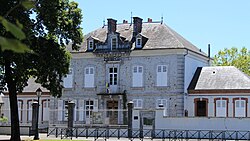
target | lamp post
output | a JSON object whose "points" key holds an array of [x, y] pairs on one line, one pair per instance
{"points": [[38, 94]]}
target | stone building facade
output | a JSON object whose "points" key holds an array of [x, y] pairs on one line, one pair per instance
{"points": [[144, 62]]}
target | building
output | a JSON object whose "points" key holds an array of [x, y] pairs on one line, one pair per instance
{"points": [[144, 62], [25, 100], [219, 92]]}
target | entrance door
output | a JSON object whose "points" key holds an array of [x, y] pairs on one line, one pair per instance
{"points": [[113, 76], [201, 108], [112, 106]]}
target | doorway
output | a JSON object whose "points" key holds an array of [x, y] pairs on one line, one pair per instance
{"points": [[201, 107], [112, 113]]}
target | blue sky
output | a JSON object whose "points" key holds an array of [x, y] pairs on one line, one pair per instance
{"points": [[221, 23]]}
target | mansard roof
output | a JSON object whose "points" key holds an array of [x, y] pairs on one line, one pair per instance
{"points": [[219, 79], [160, 36]]}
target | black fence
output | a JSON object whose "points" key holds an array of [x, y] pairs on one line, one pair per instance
{"points": [[107, 132]]}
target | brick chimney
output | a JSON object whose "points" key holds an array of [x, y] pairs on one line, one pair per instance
{"points": [[137, 25], [111, 26], [125, 21], [150, 20]]}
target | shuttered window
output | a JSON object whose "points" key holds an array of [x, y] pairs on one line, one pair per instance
{"points": [[162, 103], [89, 77], [161, 75], [221, 108], [137, 103], [240, 108], [68, 80], [137, 76]]}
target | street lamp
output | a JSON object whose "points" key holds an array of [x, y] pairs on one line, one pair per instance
{"points": [[38, 94]]}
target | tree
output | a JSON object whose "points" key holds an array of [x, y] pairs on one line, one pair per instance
{"points": [[239, 58], [48, 27]]}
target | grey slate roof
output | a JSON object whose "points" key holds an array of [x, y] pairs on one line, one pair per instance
{"points": [[220, 78], [159, 36]]}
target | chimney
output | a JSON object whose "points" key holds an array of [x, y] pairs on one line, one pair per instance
{"points": [[150, 20], [125, 21], [208, 51], [111, 25], [137, 25]]}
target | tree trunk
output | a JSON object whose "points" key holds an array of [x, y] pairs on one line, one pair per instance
{"points": [[15, 129]]}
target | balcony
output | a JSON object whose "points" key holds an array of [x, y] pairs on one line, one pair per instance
{"points": [[112, 90]]}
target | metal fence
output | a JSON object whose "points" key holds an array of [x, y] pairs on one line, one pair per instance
{"points": [[107, 132]]}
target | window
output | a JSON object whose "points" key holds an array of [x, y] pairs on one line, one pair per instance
{"points": [[161, 75], [137, 103], [240, 107], [221, 108], [89, 77], [138, 42], [201, 105], [91, 44], [162, 103], [137, 76], [113, 76], [89, 106], [68, 80], [114, 43]]}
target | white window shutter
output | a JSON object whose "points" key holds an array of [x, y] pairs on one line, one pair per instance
{"points": [[137, 76], [221, 108], [80, 110], [240, 108], [68, 80], [89, 77], [95, 109], [60, 110]]}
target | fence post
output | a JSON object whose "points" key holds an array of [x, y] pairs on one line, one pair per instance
{"points": [[130, 119], [71, 106], [34, 117]]}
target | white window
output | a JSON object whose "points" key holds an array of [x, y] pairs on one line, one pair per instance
{"points": [[68, 80], [137, 76], [91, 44], [81, 110], [161, 75], [240, 108], [45, 110], [138, 42], [137, 103], [90, 106], [221, 108], [89, 77], [20, 109], [162, 103], [114, 43]]}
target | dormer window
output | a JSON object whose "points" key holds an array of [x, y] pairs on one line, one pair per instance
{"points": [[91, 44], [114, 43], [138, 42]]}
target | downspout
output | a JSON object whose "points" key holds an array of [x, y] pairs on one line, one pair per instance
{"points": [[185, 94]]}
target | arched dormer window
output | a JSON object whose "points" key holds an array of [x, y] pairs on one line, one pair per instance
{"points": [[91, 44], [138, 42], [114, 43]]}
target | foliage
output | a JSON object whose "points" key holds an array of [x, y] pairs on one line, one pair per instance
{"points": [[3, 119], [33, 38], [239, 58]]}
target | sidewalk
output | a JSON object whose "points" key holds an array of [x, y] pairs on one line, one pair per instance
{"points": [[44, 137]]}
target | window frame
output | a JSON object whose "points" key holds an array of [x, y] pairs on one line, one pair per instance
{"points": [[70, 76], [160, 74], [112, 43], [89, 73], [137, 72], [136, 103], [138, 43], [91, 42]]}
